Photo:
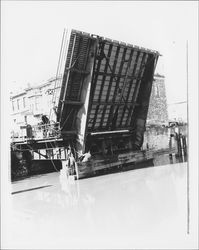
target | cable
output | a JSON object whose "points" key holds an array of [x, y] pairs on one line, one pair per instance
{"points": [[62, 50], [51, 159], [66, 119], [67, 77]]}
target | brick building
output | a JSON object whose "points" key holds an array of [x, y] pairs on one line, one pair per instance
{"points": [[158, 110]]}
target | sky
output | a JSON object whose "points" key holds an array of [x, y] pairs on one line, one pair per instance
{"points": [[31, 34]]}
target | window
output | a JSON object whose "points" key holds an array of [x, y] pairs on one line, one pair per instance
{"points": [[18, 104], [13, 105], [50, 91], [31, 106], [24, 102], [30, 101], [37, 103]]}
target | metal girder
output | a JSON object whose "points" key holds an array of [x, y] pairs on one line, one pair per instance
{"points": [[86, 72], [117, 73], [75, 103], [110, 85], [114, 103], [101, 89], [78, 71], [135, 65], [117, 83], [67, 78], [138, 84]]}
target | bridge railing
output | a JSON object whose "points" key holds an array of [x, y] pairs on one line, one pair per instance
{"points": [[37, 132]]}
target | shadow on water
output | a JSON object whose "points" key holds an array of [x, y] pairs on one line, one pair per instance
{"points": [[166, 159], [158, 160]]}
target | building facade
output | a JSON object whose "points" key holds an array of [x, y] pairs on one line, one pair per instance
{"points": [[28, 106]]}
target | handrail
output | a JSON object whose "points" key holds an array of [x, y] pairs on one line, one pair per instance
{"points": [[40, 131]]}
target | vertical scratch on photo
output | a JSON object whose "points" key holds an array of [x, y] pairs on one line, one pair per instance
{"points": [[188, 203]]}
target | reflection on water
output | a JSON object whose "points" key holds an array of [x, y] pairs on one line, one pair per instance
{"points": [[118, 204], [159, 137], [164, 159], [113, 206]]}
